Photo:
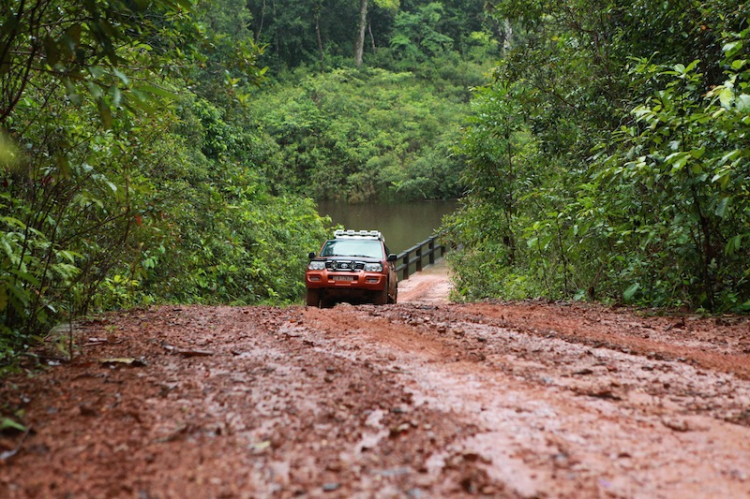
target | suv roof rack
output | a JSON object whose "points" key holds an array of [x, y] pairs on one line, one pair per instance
{"points": [[358, 233]]}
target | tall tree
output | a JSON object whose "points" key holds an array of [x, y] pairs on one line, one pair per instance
{"points": [[361, 29]]}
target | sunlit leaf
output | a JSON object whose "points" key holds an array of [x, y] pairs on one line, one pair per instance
{"points": [[9, 424], [629, 293], [732, 48], [726, 97], [742, 103], [721, 208]]}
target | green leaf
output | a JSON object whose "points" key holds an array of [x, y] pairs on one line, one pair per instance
{"points": [[742, 103], [116, 95], [96, 71], [733, 245], [721, 208], [74, 32], [9, 424], [726, 97], [105, 113], [122, 76], [631, 291], [730, 156], [156, 90], [25, 276], [732, 48], [678, 160], [738, 64], [698, 153], [51, 50]]}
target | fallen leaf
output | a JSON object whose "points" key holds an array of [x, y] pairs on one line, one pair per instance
{"points": [[123, 361], [583, 372], [9, 424], [675, 425], [261, 446], [195, 353]]}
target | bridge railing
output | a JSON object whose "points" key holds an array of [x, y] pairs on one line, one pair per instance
{"points": [[427, 249]]}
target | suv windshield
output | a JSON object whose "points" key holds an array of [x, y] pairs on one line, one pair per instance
{"points": [[353, 247]]}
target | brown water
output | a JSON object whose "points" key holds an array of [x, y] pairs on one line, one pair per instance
{"points": [[402, 224]]}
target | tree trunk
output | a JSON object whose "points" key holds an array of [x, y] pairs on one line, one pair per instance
{"points": [[320, 43], [506, 37], [372, 38], [359, 46], [260, 24]]}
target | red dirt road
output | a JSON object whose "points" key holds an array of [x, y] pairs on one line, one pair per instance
{"points": [[420, 399]]}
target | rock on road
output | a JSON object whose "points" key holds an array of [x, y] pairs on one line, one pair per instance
{"points": [[420, 399]]}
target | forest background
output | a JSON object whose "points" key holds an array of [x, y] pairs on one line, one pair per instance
{"points": [[170, 151]]}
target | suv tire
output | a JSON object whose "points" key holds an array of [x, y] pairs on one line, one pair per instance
{"points": [[381, 297], [313, 297]]}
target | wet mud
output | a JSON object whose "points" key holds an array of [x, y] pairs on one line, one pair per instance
{"points": [[420, 399]]}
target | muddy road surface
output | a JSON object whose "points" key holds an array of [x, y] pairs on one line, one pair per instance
{"points": [[418, 400]]}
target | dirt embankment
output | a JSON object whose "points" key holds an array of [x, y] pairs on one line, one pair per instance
{"points": [[419, 399]]}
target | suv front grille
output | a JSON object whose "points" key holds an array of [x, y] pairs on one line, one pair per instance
{"points": [[344, 265]]}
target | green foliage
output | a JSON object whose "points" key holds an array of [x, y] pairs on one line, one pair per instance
{"points": [[416, 36], [688, 151], [362, 135], [84, 46], [632, 184], [417, 30], [118, 193]]}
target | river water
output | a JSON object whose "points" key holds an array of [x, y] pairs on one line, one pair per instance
{"points": [[402, 224]]}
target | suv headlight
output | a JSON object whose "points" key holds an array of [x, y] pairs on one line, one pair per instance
{"points": [[316, 266], [373, 267]]}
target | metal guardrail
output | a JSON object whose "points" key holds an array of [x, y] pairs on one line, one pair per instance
{"points": [[416, 254]]}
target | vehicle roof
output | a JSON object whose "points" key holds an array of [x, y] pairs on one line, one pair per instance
{"points": [[358, 234]]}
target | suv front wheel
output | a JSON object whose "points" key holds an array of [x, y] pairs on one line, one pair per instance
{"points": [[313, 297], [381, 297]]}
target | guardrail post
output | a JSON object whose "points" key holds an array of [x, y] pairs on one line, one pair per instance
{"points": [[406, 266], [415, 255]]}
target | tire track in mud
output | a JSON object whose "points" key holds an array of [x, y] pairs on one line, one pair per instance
{"points": [[711, 343], [418, 399], [431, 286], [568, 419]]}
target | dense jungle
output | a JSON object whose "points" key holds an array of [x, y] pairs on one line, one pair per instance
{"points": [[172, 151]]}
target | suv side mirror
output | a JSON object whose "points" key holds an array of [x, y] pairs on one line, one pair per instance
{"points": [[311, 255], [392, 257]]}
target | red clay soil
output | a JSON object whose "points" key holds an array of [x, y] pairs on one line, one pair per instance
{"points": [[421, 399]]}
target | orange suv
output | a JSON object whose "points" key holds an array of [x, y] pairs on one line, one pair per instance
{"points": [[354, 266]]}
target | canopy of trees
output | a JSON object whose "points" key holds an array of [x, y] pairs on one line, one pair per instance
{"points": [[609, 158]]}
